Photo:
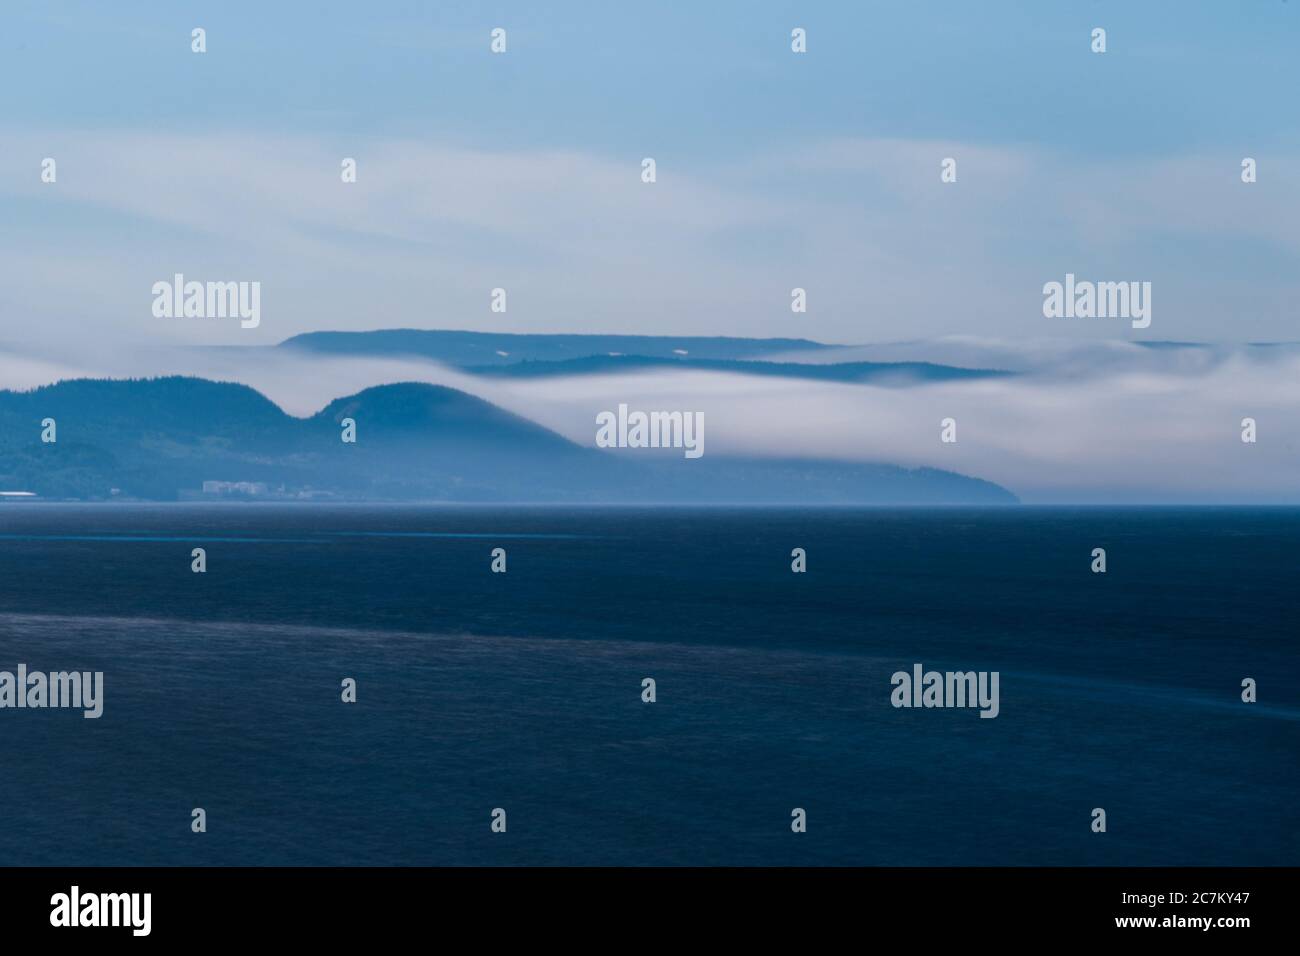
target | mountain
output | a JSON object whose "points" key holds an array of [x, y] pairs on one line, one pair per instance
{"points": [[163, 438], [501, 348], [147, 437], [879, 373], [538, 356]]}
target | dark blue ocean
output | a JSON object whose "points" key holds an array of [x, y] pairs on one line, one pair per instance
{"points": [[523, 690]]}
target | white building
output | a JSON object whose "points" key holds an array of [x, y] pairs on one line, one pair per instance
{"points": [[234, 488]]}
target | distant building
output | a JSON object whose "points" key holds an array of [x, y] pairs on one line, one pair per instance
{"points": [[228, 488]]}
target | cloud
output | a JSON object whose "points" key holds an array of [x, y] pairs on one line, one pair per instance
{"points": [[1081, 424], [1159, 434], [884, 250], [427, 230]]}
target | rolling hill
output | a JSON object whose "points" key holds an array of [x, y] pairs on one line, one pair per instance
{"points": [[163, 438]]}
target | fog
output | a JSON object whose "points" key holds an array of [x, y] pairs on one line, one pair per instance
{"points": [[1081, 423]]}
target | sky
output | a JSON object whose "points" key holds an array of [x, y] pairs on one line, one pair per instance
{"points": [[775, 170]]}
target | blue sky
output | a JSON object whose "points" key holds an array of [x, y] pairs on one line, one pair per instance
{"points": [[703, 80], [776, 170]]}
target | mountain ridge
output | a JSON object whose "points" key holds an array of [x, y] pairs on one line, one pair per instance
{"points": [[163, 438], [461, 347]]}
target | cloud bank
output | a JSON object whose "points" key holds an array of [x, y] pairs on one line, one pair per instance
{"points": [[883, 248], [1078, 425]]}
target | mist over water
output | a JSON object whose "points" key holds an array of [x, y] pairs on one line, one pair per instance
{"points": [[1077, 423]]}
